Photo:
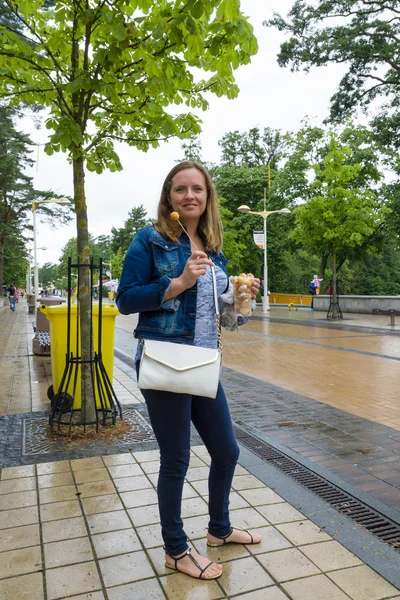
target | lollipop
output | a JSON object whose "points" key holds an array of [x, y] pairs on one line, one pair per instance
{"points": [[175, 217]]}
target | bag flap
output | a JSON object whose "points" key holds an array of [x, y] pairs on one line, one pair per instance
{"points": [[179, 357]]}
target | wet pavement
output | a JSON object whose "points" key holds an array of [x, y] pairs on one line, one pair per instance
{"points": [[328, 394], [88, 528]]}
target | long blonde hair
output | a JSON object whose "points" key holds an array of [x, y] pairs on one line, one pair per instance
{"points": [[210, 221]]}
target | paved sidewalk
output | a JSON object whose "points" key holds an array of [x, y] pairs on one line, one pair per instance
{"points": [[89, 528], [330, 395], [24, 378]]}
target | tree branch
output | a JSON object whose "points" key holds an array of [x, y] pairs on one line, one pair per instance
{"points": [[382, 82], [149, 140]]}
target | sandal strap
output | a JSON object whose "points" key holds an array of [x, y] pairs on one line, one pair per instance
{"points": [[187, 553], [245, 531], [205, 568], [192, 558], [223, 537]]}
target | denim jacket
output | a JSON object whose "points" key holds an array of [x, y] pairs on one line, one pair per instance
{"points": [[151, 262]]}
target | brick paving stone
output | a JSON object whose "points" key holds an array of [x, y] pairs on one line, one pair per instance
{"points": [[329, 436], [340, 452]]}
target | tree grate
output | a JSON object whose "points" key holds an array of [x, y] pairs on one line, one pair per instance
{"points": [[370, 519]]}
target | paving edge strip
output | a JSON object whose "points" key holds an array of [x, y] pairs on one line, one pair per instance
{"points": [[373, 552], [125, 358], [327, 324]]}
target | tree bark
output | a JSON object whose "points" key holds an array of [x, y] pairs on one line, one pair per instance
{"points": [[88, 409], [334, 287], [2, 243], [322, 268]]}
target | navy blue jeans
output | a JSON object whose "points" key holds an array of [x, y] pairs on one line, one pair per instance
{"points": [[170, 416]]}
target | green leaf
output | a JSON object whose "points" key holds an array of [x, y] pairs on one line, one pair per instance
{"points": [[197, 10], [119, 32], [228, 10]]}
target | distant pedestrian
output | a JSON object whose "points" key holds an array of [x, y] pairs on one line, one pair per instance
{"points": [[314, 288], [11, 295]]}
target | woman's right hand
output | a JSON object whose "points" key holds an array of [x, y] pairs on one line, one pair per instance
{"points": [[195, 266]]}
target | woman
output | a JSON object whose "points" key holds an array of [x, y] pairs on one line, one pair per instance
{"points": [[167, 279], [314, 287], [11, 291]]}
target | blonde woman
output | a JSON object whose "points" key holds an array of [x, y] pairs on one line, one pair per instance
{"points": [[166, 279]]}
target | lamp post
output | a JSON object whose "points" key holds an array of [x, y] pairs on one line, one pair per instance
{"points": [[264, 214], [29, 270], [35, 205]]}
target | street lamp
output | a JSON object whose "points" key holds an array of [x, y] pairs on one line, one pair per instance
{"points": [[264, 214], [35, 205]]}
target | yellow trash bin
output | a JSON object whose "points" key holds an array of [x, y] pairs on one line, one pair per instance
{"points": [[57, 315], [111, 295]]}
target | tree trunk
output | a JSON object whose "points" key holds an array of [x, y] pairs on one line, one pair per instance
{"points": [[88, 410], [322, 268], [335, 314], [2, 243]]}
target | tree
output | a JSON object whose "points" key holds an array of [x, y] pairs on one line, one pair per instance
{"points": [[107, 71], [339, 215], [16, 189], [235, 186], [100, 247], [377, 274], [241, 178], [48, 274], [307, 148], [117, 262], [362, 34], [192, 150], [253, 148], [238, 182], [121, 237], [15, 261]]}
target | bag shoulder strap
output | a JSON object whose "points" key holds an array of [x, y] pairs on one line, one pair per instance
{"points": [[214, 280], [216, 307]]}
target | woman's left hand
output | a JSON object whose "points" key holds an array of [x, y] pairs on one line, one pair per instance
{"points": [[255, 288]]}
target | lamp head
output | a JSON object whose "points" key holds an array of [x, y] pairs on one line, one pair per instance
{"points": [[59, 201], [285, 211], [62, 201], [244, 209]]}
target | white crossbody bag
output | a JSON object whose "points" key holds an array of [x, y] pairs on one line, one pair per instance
{"points": [[181, 368]]}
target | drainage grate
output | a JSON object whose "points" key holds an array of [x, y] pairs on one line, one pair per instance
{"points": [[385, 529]]}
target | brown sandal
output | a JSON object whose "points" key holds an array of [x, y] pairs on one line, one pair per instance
{"points": [[225, 537], [189, 554]]}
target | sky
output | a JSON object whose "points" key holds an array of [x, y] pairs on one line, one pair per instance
{"points": [[269, 96]]}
